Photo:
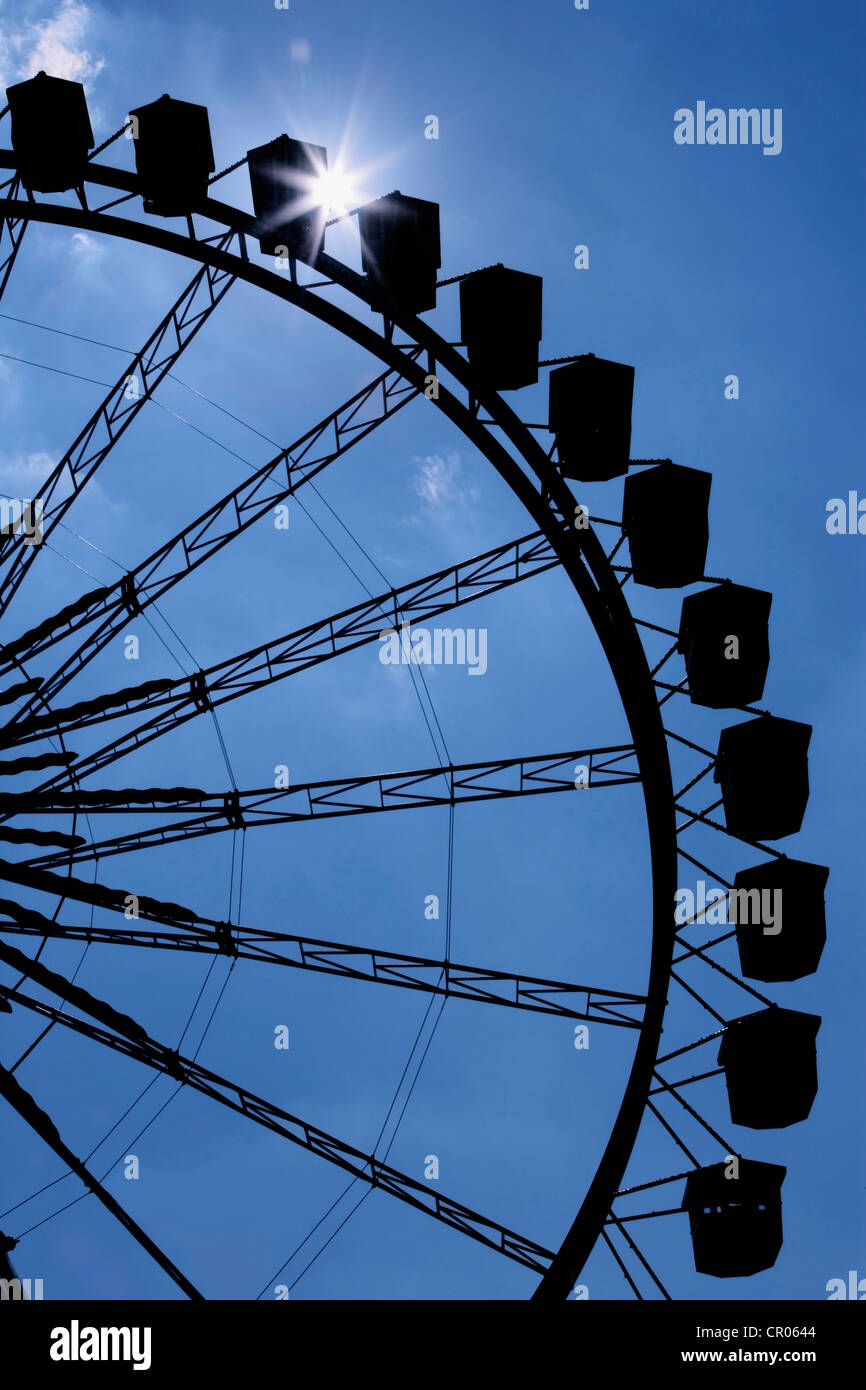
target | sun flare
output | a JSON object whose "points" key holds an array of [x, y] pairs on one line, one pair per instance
{"points": [[336, 191]]}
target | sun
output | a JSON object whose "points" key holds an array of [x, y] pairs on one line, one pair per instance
{"points": [[336, 190]]}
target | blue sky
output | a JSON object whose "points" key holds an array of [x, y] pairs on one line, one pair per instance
{"points": [[556, 130]]}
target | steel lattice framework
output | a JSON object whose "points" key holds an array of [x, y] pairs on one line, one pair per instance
{"points": [[271, 661], [178, 814]]}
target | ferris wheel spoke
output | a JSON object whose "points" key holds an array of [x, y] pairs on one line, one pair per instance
{"points": [[123, 1035], [622, 1265], [12, 230], [35, 1116], [365, 963], [221, 523], [180, 700], [618, 1223], [113, 417], [581, 769], [97, 894]]}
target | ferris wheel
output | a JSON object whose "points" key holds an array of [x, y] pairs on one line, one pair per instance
{"points": [[57, 862]]}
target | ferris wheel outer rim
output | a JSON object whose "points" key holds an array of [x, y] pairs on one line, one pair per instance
{"points": [[605, 605]]}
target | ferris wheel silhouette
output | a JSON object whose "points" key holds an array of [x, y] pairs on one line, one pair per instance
{"points": [[773, 910]]}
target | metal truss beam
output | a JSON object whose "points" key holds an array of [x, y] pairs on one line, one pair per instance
{"points": [[128, 1037], [221, 523], [114, 416], [12, 230], [180, 700], [238, 810], [354, 963]]}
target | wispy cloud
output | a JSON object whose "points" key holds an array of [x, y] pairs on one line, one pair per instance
{"points": [[84, 249], [25, 470], [22, 475], [54, 44], [437, 482]]}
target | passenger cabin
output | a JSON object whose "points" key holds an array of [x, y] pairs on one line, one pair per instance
{"points": [[665, 515], [500, 324], [788, 942], [736, 1222], [173, 155], [724, 637], [400, 250], [762, 767], [770, 1065], [286, 201], [51, 133], [590, 415]]}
